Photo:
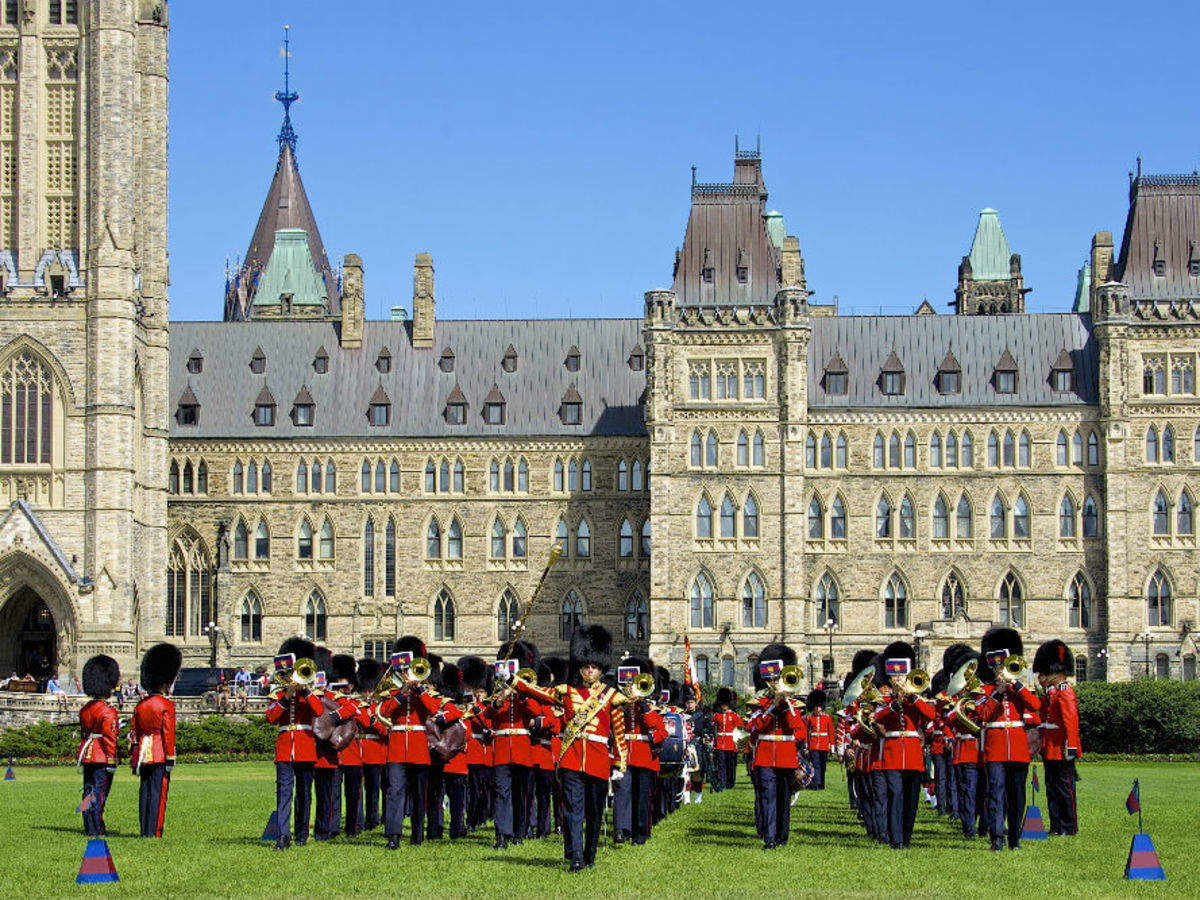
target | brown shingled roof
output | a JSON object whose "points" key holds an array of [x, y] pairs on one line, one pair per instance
{"points": [[949, 363], [836, 365], [188, 398], [892, 363], [494, 395], [456, 396], [264, 397], [380, 396], [304, 398], [1006, 362], [1064, 360]]}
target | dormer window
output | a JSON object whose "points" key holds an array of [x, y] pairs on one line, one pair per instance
{"points": [[1193, 260], [509, 362], [303, 408], [743, 271], [195, 363], [456, 407], [837, 376], [384, 362], [1005, 378], [188, 411], [379, 411], [264, 408], [637, 358], [321, 362], [446, 360], [891, 377], [572, 360], [706, 270], [1160, 263], [1062, 375], [571, 408], [258, 362], [494, 407], [949, 376]]}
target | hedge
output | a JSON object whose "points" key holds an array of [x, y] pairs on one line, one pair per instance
{"points": [[1139, 717]]}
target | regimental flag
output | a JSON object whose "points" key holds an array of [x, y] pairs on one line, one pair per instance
{"points": [[271, 832], [691, 678], [86, 803], [626, 674], [1133, 802], [1036, 786], [97, 866], [285, 661], [901, 666]]}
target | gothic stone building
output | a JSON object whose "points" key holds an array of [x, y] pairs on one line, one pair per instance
{"points": [[736, 463]]}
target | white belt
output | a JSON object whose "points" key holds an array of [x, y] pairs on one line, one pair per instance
{"points": [[776, 737], [408, 728], [295, 728], [1049, 725], [637, 737], [900, 734], [95, 737], [1004, 725], [598, 738], [373, 737], [507, 731]]}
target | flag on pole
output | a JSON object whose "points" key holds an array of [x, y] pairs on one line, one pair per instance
{"points": [[691, 678], [1036, 786], [1133, 802]]}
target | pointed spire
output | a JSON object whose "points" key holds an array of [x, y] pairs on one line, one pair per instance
{"points": [[287, 135], [990, 256]]}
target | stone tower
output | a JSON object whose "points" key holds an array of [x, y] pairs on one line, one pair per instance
{"points": [[83, 359], [989, 277]]}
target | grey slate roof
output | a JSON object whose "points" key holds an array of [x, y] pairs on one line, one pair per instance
{"points": [[417, 387], [977, 342], [1164, 217]]}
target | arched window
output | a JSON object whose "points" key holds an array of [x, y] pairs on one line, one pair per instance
{"points": [[27, 402], [570, 615], [1077, 447], [728, 518], [908, 522], [816, 520], [573, 475], [173, 478], [454, 541], [962, 519], [187, 477], [583, 540], [1061, 453], [727, 671], [1009, 456], [1093, 449], [953, 600], [758, 449], [935, 451], [645, 548], [1152, 444], [389, 558], [252, 478], [1196, 445], [1024, 450], [262, 541], [1168, 444], [316, 476], [837, 519], [750, 518], [494, 476], [826, 452], [883, 518], [1162, 514], [999, 514], [840, 450], [304, 545], [558, 476], [518, 539], [622, 476], [1079, 610], [241, 541], [702, 674], [522, 475], [586, 483], [697, 450], [499, 539], [810, 451], [1091, 519], [704, 524], [701, 602], [433, 540], [380, 477], [828, 609], [202, 478], [266, 476], [562, 537], [951, 450], [743, 449], [638, 482], [314, 617], [1021, 517], [637, 618], [369, 558], [993, 449], [443, 616], [910, 451], [1158, 600], [191, 580], [1162, 665], [754, 602], [1183, 518], [941, 519], [625, 540], [877, 457], [302, 478], [510, 484], [710, 449], [1012, 603], [1066, 517], [330, 477], [507, 615], [366, 476], [325, 541], [968, 450], [894, 451], [251, 619], [394, 477], [895, 603]]}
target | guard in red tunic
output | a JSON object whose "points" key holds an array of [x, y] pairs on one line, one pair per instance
{"points": [[775, 758], [455, 769], [152, 735], [902, 755], [820, 736], [645, 732], [407, 709], [962, 727], [372, 742], [543, 732], [98, 726], [1061, 746], [292, 709], [1005, 710], [477, 687], [509, 716], [935, 738], [594, 727], [725, 720]]}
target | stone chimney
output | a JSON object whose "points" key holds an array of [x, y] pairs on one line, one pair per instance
{"points": [[423, 306], [1101, 260], [791, 264], [352, 301]]}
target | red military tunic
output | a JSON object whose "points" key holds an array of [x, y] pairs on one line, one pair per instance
{"points": [[776, 735], [408, 710], [1060, 730], [820, 732], [542, 746], [644, 730], [509, 723], [902, 748], [476, 751], [964, 744], [588, 753], [349, 708], [1004, 714], [293, 715], [152, 732], [373, 737], [98, 729], [724, 724], [327, 757]]}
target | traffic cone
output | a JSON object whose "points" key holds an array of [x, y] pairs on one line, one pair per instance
{"points": [[271, 832], [10, 775], [97, 866], [1143, 864], [1034, 828]]}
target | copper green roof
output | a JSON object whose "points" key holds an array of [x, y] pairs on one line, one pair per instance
{"points": [[989, 251], [291, 270], [1083, 291]]}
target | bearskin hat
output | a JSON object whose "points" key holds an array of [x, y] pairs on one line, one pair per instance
{"points": [[555, 669], [726, 696], [524, 652], [950, 657], [435, 667], [938, 681], [410, 644], [343, 668], [862, 659], [100, 676], [676, 693], [323, 657], [662, 678], [773, 651], [368, 675], [160, 667], [894, 650], [644, 663], [816, 697], [1002, 639], [1052, 658], [303, 649], [450, 681], [476, 672], [591, 645]]}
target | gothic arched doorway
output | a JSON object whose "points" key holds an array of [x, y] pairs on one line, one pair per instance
{"points": [[28, 636]]}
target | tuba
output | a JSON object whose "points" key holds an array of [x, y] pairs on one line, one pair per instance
{"points": [[963, 680]]}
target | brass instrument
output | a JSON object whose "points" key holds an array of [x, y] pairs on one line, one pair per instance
{"points": [[964, 681], [741, 738], [789, 680], [916, 682], [642, 686], [390, 681], [416, 672], [862, 686], [528, 675], [1013, 668], [959, 715], [301, 675]]}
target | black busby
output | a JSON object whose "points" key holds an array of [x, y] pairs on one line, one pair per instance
{"points": [[773, 651], [304, 649], [476, 673], [662, 678], [894, 650], [343, 668], [952, 656], [524, 652], [323, 657], [643, 663], [1002, 639], [1052, 658], [591, 645], [816, 697], [160, 667], [368, 674], [410, 643], [862, 659], [676, 693], [938, 681], [450, 681], [556, 668], [435, 667], [100, 676], [726, 696]]}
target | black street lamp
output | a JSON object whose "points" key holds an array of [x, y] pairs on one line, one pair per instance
{"points": [[214, 634], [830, 625]]}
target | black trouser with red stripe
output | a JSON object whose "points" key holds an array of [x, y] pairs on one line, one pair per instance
{"points": [[97, 780], [1060, 795], [152, 798]]}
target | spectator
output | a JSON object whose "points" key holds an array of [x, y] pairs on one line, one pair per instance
{"points": [[53, 687]]}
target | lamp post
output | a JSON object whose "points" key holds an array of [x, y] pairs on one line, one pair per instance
{"points": [[1146, 636], [919, 635], [214, 634], [830, 625], [1102, 660]]}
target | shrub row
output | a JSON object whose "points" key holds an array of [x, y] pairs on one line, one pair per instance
{"points": [[217, 737]]}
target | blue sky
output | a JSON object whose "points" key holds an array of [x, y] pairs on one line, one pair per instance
{"points": [[542, 154]]}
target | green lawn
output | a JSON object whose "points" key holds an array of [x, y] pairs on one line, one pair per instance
{"points": [[217, 813]]}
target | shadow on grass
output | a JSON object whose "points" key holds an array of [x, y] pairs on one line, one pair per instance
{"points": [[63, 829], [524, 861]]}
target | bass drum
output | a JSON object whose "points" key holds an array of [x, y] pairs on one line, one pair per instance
{"points": [[673, 753]]}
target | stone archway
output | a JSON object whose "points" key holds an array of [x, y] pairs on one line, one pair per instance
{"points": [[37, 620]]}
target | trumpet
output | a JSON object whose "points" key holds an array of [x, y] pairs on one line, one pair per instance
{"points": [[642, 686], [789, 680], [301, 675], [1013, 668], [916, 682], [416, 672], [741, 739]]}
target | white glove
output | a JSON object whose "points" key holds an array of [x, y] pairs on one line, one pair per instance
{"points": [[617, 774]]}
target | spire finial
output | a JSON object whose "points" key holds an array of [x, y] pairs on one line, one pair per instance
{"points": [[287, 96]]}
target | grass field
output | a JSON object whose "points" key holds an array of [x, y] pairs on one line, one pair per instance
{"points": [[217, 813]]}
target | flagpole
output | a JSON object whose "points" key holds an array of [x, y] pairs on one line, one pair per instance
{"points": [[1137, 786]]}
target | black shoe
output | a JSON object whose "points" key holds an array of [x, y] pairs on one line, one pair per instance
{"points": [[517, 842], [283, 843], [620, 837], [501, 843], [300, 842], [997, 843], [393, 842], [415, 842], [768, 845], [576, 866], [1016, 845]]}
